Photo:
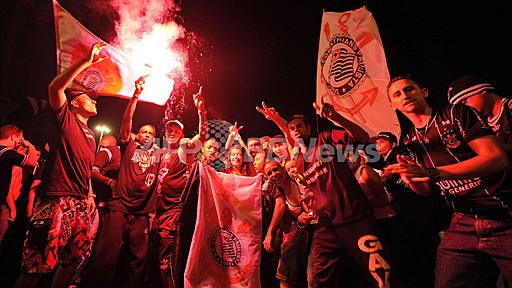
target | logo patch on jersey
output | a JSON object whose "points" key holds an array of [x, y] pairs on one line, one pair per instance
{"points": [[150, 178], [449, 135], [143, 158], [161, 176]]}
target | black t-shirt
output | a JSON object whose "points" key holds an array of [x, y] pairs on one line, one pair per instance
{"points": [[137, 176], [8, 158], [107, 163], [270, 193], [69, 166], [443, 141], [328, 175], [172, 177]]}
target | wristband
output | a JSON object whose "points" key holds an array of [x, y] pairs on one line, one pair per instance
{"points": [[433, 174]]}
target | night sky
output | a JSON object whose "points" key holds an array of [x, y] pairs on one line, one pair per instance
{"points": [[263, 50]]}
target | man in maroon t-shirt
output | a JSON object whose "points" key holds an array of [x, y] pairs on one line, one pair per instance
{"points": [[106, 170], [132, 204], [346, 229], [58, 234], [172, 177]]}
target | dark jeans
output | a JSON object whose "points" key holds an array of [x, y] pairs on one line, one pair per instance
{"points": [[357, 244], [168, 227], [470, 251], [120, 229], [293, 262], [4, 222]]}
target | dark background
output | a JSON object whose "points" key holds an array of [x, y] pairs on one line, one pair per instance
{"points": [[255, 51]]}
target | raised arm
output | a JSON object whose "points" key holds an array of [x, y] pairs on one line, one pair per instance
{"points": [[127, 121], [189, 147], [327, 111], [56, 88], [233, 135], [271, 114]]}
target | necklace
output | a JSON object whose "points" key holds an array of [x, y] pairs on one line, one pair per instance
{"points": [[423, 137]]}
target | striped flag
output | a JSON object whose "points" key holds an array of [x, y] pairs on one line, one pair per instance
{"points": [[352, 73], [225, 249], [114, 76]]}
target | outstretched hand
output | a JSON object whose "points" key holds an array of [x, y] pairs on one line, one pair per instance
{"points": [[94, 53], [409, 171], [269, 112], [234, 129], [323, 109]]}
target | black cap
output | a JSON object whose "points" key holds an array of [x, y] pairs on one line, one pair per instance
{"points": [[299, 116], [385, 135], [73, 93]]}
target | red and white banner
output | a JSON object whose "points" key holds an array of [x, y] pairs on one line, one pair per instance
{"points": [[352, 73], [114, 76], [225, 249]]}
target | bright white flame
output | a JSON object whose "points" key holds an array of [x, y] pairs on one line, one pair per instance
{"points": [[148, 43]]}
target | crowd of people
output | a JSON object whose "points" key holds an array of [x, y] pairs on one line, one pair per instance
{"points": [[339, 208]]}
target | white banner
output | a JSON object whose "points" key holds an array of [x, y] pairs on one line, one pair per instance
{"points": [[226, 246], [352, 73]]}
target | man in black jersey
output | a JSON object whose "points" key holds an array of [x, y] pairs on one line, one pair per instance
{"points": [[497, 111], [456, 150]]}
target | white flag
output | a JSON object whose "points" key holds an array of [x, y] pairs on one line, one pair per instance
{"points": [[352, 73], [114, 76], [226, 246]]}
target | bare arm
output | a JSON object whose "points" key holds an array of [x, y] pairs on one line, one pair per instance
{"points": [[279, 208], [32, 197], [97, 176], [56, 95], [31, 154], [203, 119], [490, 159], [127, 121], [91, 205], [271, 114], [327, 111], [189, 147], [233, 133]]}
